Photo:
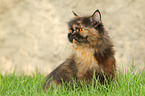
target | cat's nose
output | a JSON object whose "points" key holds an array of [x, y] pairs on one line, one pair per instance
{"points": [[77, 31], [74, 32]]}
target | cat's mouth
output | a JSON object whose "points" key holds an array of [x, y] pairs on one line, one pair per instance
{"points": [[77, 38]]}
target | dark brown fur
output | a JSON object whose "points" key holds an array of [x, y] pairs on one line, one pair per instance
{"points": [[93, 51]]}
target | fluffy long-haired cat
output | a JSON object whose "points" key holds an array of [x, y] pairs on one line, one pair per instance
{"points": [[93, 52]]}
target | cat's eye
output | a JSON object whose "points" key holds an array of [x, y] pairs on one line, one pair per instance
{"points": [[81, 30], [70, 31]]}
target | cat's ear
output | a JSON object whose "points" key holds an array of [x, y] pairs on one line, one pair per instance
{"points": [[75, 14], [96, 16]]}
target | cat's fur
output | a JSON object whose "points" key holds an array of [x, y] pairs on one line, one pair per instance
{"points": [[93, 51]]}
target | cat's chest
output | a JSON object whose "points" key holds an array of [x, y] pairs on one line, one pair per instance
{"points": [[86, 63], [85, 58]]}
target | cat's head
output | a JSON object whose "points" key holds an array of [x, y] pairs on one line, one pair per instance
{"points": [[87, 30]]}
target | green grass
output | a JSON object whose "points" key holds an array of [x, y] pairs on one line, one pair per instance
{"points": [[128, 84]]}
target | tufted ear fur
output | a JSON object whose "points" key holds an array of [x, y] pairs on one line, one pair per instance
{"points": [[75, 14], [96, 16]]}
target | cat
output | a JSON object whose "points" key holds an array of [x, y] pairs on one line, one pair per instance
{"points": [[93, 52]]}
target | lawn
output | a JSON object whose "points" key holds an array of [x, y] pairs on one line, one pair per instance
{"points": [[128, 84]]}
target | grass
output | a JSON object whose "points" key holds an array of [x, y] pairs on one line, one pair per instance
{"points": [[128, 84]]}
